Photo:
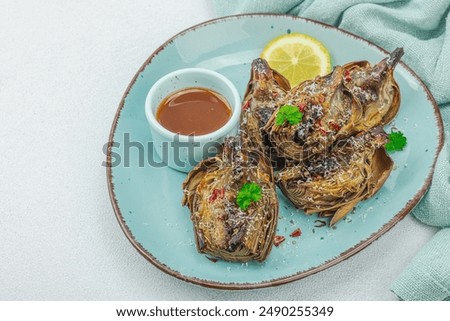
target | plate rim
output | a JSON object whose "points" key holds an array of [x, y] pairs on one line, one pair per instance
{"points": [[302, 274]]}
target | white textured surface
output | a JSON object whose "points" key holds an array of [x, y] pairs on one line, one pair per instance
{"points": [[64, 66]]}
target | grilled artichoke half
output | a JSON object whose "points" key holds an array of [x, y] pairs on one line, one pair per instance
{"points": [[332, 184], [221, 228], [329, 113], [266, 90], [351, 99], [375, 88]]}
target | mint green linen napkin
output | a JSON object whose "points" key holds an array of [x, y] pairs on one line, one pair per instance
{"points": [[423, 30], [428, 275]]}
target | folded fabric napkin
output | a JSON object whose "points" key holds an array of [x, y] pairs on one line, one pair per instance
{"points": [[423, 30]]}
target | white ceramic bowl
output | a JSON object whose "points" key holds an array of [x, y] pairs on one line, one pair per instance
{"points": [[182, 152]]}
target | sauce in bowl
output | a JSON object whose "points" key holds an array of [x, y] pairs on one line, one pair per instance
{"points": [[193, 111]]}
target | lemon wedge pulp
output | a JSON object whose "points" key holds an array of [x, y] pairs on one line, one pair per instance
{"points": [[298, 57]]}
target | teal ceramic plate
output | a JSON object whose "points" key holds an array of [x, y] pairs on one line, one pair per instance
{"points": [[146, 199]]}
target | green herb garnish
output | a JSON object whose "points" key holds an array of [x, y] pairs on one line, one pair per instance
{"points": [[250, 192], [289, 113], [397, 141]]}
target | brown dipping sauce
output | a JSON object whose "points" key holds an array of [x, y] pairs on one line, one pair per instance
{"points": [[193, 111]]}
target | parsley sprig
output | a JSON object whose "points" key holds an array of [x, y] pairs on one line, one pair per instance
{"points": [[397, 141], [250, 192], [290, 114]]}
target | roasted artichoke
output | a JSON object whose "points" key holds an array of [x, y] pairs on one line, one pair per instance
{"points": [[375, 88], [222, 229], [266, 90], [329, 113], [331, 184]]}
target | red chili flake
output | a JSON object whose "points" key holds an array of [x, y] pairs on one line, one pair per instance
{"points": [[346, 73], [301, 107], [246, 105], [322, 130], [348, 78], [216, 193], [321, 99], [335, 126], [212, 259], [278, 239], [296, 233]]}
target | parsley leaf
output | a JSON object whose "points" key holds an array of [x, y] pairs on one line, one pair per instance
{"points": [[250, 192], [289, 113], [397, 141]]}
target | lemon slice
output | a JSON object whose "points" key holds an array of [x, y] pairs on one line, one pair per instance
{"points": [[298, 57]]}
